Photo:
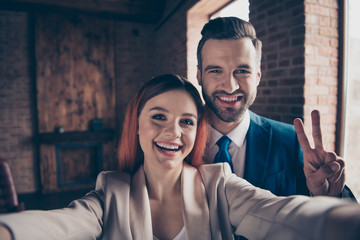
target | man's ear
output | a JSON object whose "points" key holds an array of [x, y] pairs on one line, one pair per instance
{"points": [[258, 77], [198, 75]]}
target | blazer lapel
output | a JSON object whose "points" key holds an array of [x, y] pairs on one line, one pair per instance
{"points": [[140, 215], [258, 142], [195, 205]]}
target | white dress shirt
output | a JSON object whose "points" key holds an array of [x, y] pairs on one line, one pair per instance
{"points": [[237, 147]]}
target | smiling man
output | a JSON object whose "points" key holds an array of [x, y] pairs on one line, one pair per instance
{"points": [[229, 80], [263, 151]]}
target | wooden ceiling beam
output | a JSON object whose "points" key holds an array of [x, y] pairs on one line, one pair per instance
{"points": [[137, 10]]}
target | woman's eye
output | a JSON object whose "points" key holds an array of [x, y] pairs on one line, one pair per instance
{"points": [[188, 122], [158, 117]]}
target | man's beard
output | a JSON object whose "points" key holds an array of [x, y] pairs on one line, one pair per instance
{"points": [[229, 114]]}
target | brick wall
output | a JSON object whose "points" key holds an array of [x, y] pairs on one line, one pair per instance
{"points": [[280, 27], [300, 61], [321, 64], [17, 100]]}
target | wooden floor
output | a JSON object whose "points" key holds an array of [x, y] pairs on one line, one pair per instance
{"points": [[51, 200]]}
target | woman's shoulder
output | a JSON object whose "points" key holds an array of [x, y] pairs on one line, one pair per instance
{"points": [[114, 175], [112, 178]]}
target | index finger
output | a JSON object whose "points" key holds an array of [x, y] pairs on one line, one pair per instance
{"points": [[300, 132]]}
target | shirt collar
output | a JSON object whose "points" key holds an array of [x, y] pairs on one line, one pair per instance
{"points": [[237, 135]]}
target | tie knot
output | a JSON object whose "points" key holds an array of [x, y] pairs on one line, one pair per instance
{"points": [[223, 142]]}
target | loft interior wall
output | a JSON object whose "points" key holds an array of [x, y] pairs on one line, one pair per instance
{"points": [[82, 65]]}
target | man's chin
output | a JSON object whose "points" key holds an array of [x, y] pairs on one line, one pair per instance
{"points": [[229, 119], [230, 116]]}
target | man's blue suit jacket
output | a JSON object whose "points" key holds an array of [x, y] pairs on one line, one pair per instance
{"points": [[274, 159]]}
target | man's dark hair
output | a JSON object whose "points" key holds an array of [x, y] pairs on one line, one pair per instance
{"points": [[224, 28]]}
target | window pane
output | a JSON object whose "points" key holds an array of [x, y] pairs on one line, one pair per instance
{"points": [[352, 94], [237, 8]]}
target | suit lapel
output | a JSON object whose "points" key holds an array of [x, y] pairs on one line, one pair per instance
{"points": [[195, 205], [140, 215], [258, 145]]}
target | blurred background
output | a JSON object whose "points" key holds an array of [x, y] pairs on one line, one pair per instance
{"points": [[69, 68]]}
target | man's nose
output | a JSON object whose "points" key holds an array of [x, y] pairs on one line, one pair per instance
{"points": [[230, 83]]}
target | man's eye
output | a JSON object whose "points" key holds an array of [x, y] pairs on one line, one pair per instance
{"points": [[215, 71], [242, 71], [158, 117], [188, 122]]}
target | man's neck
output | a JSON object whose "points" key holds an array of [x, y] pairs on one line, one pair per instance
{"points": [[221, 126]]}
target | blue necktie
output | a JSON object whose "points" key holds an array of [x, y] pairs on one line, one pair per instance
{"points": [[223, 154]]}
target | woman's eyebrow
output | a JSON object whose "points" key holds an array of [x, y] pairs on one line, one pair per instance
{"points": [[190, 115], [159, 109]]}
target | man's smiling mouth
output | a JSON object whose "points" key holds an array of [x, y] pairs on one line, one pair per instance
{"points": [[229, 101], [230, 98]]}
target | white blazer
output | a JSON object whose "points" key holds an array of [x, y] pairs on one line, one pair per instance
{"points": [[216, 205]]}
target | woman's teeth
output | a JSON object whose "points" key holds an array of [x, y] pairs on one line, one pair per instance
{"points": [[168, 147]]}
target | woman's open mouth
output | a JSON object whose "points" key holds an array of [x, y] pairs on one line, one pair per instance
{"points": [[168, 147]]}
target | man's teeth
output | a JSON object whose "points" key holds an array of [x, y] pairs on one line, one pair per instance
{"points": [[229, 99], [168, 147]]}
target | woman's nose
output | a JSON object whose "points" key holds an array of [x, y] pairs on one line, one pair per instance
{"points": [[173, 130]]}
